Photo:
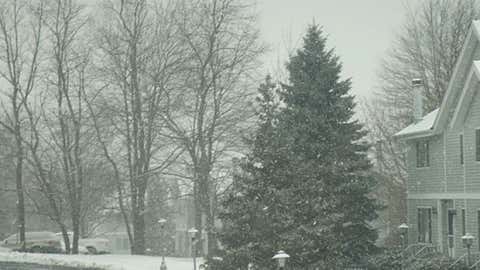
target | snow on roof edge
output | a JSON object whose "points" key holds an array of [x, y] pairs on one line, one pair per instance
{"points": [[476, 26], [426, 124]]}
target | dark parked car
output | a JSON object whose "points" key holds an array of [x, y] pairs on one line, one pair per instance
{"points": [[37, 242]]}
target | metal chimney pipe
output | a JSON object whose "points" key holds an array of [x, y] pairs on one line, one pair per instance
{"points": [[417, 85]]}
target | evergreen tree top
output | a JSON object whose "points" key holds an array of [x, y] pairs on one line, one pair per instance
{"points": [[315, 86]]}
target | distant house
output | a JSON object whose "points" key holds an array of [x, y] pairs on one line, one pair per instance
{"points": [[443, 159], [114, 230], [184, 220]]}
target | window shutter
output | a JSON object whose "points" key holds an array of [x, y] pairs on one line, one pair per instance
{"points": [[477, 144], [417, 147], [461, 149], [427, 154], [429, 211]]}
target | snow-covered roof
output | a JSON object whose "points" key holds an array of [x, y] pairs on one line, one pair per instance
{"points": [[424, 125], [476, 24]]}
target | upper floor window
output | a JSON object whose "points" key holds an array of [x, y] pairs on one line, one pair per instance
{"points": [[461, 148], [423, 156], [477, 144]]}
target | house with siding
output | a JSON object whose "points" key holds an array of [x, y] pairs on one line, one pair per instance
{"points": [[443, 159]]}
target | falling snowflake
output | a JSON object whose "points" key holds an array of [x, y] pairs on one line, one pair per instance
{"points": [[258, 165]]}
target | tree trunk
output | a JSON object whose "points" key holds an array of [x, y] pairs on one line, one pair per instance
{"points": [[84, 227], [198, 210], [208, 210], [66, 238], [210, 222], [20, 195], [139, 228], [75, 228], [211, 236]]}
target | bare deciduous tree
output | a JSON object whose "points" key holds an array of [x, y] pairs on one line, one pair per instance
{"points": [[141, 56], [44, 173], [171, 79], [66, 63], [211, 107], [20, 35]]}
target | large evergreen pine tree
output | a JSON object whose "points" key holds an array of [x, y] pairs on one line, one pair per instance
{"points": [[306, 183], [331, 169]]}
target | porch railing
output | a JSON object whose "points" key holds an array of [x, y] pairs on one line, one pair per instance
{"points": [[426, 250], [475, 266], [419, 250], [459, 260], [474, 260]]}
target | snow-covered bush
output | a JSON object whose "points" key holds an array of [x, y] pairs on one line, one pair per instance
{"points": [[434, 262], [388, 259], [391, 259]]}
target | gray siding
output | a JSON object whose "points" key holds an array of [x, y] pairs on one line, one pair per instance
{"points": [[459, 178], [472, 167], [454, 171], [427, 179]]}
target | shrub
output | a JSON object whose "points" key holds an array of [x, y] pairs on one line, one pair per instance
{"points": [[391, 259]]}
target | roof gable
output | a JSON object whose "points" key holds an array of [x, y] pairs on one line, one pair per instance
{"points": [[464, 73], [466, 96]]}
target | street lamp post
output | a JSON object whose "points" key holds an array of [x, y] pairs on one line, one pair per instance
{"points": [[404, 234], [193, 234], [281, 258], [162, 221], [467, 240]]}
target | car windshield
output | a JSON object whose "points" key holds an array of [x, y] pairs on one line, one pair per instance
{"points": [[40, 235], [12, 237]]}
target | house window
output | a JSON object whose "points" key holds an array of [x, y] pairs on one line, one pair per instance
{"points": [[464, 231], [477, 144], [422, 154], [461, 149], [424, 225]]}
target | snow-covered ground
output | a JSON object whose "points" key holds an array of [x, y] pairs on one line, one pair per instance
{"points": [[109, 262]]}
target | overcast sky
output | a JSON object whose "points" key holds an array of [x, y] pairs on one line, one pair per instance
{"points": [[360, 30]]}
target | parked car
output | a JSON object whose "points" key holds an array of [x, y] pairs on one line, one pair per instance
{"points": [[96, 245], [36, 242], [88, 245], [81, 249]]}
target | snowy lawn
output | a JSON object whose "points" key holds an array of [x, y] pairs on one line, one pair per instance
{"points": [[108, 262]]}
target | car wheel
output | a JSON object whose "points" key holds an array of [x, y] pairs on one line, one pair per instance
{"points": [[36, 249], [92, 250]]}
